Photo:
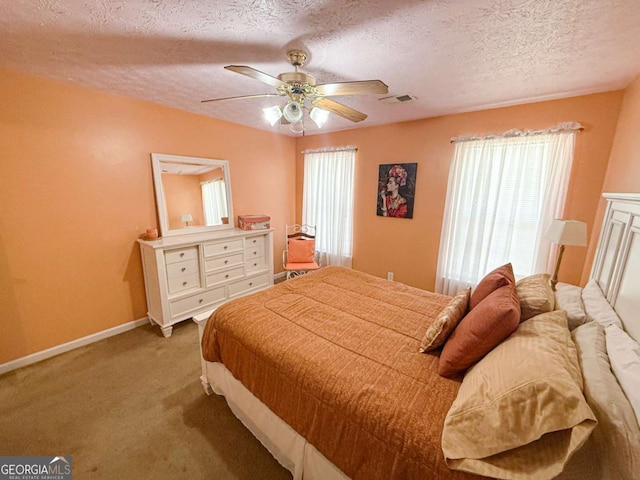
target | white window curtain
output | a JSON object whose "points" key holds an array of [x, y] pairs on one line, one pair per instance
{"points": [[503, 193], [327, 202], [214, 202]]}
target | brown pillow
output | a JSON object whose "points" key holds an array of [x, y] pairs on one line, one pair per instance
{"points": [[536, 296], [446, 321], [484, 327], [301, 251], [492, 281]]}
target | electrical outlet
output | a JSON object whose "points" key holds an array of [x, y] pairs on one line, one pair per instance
{"points": [[389, 275]]}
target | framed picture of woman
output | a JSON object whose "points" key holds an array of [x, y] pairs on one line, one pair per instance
{"points": [[396, 189]]}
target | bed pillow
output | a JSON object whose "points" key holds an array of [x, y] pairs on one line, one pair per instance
{"points": [[492, 281], [624, 355], [569, 299], [484, 327], [617, 436], [446, 321], [520, 412], [536, 296], [597, 306], [301, 251]]}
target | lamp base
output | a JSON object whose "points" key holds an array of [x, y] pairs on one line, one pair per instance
{"points": [[554, 279]]}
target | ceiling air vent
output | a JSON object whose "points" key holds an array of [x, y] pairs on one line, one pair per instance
{"points": [[397, 99]]}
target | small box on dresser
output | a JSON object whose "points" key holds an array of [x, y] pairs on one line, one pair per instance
{"points": [[188, 275], [254, 222]]}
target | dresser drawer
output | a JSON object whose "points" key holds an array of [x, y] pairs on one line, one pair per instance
{"points": [[185, 282], [180, 254], [215, 263], [255, 264], [227, 246], [197, 301], [225, 275], [253, 252], [247, 284], [180, 269], [254, 242]]}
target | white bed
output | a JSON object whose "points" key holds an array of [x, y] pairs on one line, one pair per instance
{"points": [[616, 270]]}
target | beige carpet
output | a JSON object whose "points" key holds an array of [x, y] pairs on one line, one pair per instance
{"points": [[129, 407]]}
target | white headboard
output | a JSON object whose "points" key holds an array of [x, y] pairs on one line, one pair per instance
{"points": [[616, 267]]}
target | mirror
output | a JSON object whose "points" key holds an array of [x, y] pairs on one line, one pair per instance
{"points": [[193, 194]]}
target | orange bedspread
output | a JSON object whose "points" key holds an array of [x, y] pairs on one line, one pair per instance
{"points": [[335, 354]]}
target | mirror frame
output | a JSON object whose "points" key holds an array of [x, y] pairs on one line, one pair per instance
{"points": [[156, 160]]}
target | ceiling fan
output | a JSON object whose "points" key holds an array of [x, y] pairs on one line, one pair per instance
{"points": [[301, 88]]}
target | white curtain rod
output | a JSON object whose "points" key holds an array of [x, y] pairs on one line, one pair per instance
{"points": [[560, 127], [331, 149]]}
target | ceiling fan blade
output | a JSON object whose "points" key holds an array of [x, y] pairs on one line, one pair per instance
{"points": [[256, 75], [339, 109], [242, 96], [361, 87]]}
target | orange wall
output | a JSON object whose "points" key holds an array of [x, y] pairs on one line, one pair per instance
{"points": [[183, 195], [409, 248], [623, 172], [76, 191]]}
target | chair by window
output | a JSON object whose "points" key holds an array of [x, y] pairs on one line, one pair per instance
{"points": [[300, 256]]}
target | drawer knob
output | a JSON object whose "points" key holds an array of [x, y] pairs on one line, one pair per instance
{"points": [[226, 261], [182, 254], [226, 276], [251, 284], [226, 246], [184, 269], [184, 283], [254, 241], [200, 300], [255, 253], [255, 264]]}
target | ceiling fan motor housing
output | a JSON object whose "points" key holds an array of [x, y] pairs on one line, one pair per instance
{"points": [[298, 77]]}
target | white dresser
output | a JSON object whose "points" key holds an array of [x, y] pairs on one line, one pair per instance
{"points": [[187, 275]]}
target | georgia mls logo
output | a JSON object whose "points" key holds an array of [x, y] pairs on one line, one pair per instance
{"points": [[35, 468], [59, 466]]}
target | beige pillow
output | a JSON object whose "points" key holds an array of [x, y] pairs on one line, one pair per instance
{"points": [[569, 299], [624, 355], [520, 412], [617, 436], [536, 295], [597, 306], [446, 321]]}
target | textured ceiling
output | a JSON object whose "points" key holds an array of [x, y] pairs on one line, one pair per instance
{"points": [[454, 56]]}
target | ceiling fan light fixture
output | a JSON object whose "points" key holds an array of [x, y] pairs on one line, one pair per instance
{"points": [[272, 114], [293, 112], [297, 127], [319, 116]]}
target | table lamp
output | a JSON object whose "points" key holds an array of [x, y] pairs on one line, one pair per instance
{"points": [[186, 218], [565, 232]]}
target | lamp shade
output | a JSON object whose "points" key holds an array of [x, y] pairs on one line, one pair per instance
{"points": [[292, 112], [272, 114], [568, 232], [319, 116], [297, 127], [186, 217]]}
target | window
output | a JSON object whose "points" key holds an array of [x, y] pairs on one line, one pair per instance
{"points": [[327, 202], [502, 195], [214, 202]]}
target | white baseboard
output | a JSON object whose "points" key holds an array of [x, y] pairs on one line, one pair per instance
{"points": [[65, 347]]}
